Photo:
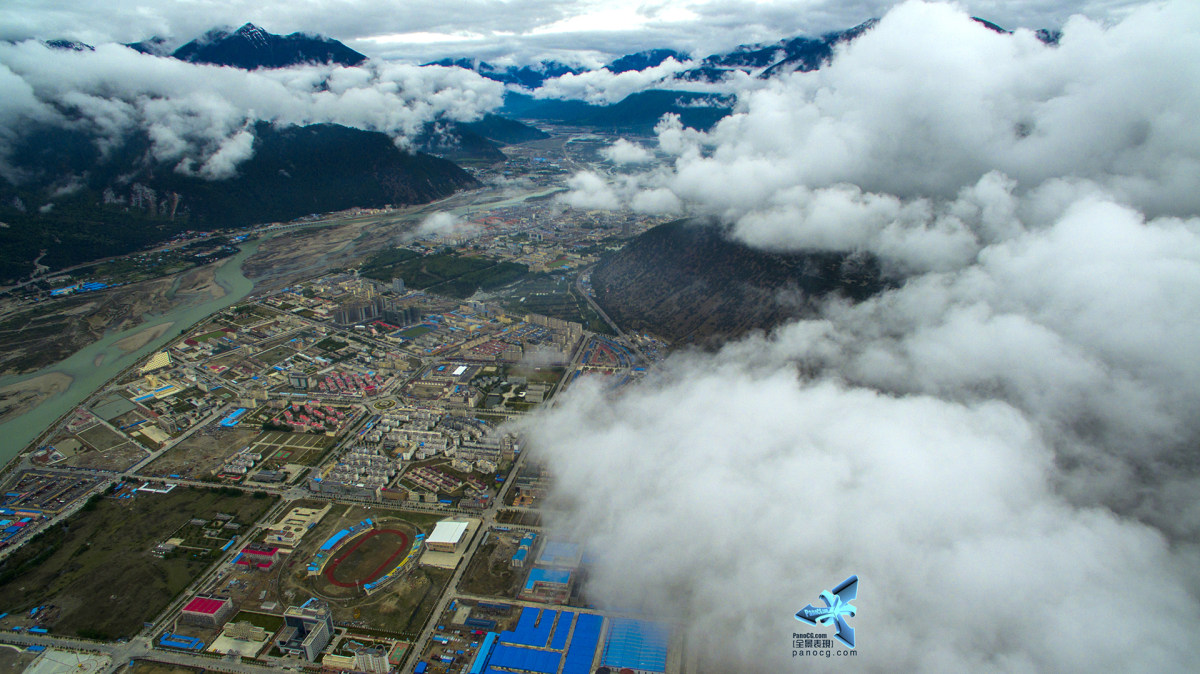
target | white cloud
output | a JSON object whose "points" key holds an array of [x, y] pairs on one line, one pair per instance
{"points": [[891, 146], [605, 87], [1011, 427], [626, 152], [198, 115], [588, 190], [444, 224], [968, 437]]}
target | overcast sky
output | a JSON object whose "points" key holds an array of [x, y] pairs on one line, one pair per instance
{"points": [[524, 30]]}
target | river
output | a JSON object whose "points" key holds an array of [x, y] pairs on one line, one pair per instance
{"points": [[92, 366]]}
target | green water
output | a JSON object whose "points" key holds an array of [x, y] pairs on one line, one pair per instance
{"points": [[92, 366]]}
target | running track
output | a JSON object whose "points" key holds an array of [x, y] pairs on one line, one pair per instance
{"points": [[402, 549]]}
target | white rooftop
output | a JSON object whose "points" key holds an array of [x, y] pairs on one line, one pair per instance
{"points": [[447, 532]]}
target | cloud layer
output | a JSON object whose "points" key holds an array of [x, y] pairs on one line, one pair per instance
{"points": [[603, 87], [197, 116], [523, 31], [1003, 446], [891, 143]]}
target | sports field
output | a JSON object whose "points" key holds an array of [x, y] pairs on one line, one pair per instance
{"points": [[367, 557]]}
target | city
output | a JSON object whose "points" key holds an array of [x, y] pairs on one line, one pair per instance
{"points": [[331, 474], [525, 337]]}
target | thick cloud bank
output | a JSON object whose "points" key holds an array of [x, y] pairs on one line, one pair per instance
{"points": [[602, 86], [1004, 446], [197, 116], [929, 103]]}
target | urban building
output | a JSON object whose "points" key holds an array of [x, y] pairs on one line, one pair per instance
{"points": [[207, 610], [262, 557], [446, 536], [307, 629]]}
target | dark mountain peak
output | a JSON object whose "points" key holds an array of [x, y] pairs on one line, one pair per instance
{"points": [[645, 59], [254, 34], [991, 26], [250, 47], [463, 62], [68, 45], [1049, 37], [504, 130], [639, 112], [155, 46]]}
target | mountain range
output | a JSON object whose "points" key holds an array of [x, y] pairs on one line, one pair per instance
{"points": [[689, 282], [78, 205], [73, 197], [251, 48], [637, 113]]}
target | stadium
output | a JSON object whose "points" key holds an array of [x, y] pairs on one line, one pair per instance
{"points": [[364, 557]]}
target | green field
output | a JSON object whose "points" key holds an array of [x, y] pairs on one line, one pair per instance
{"points": [[270, 623], [331, 344], [552, 295], [446, 273], [215, 334], [98, 569]]}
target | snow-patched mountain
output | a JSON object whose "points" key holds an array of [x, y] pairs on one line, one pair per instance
{"points": [[775, 58], [69, 45], [251, 47]]}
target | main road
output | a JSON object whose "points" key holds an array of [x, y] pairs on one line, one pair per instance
{"points": [[451, 592]]}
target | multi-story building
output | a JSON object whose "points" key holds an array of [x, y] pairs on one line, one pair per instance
{"points": [[307, 629]]}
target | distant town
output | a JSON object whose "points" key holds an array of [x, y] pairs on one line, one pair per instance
{"points": [[328, 476]]}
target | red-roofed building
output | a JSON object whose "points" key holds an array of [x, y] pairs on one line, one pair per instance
{"points": [[207, 610], [259, 556]]}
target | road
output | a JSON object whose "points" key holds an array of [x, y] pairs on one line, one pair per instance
{"points": [[142, 645], [611, 323], [140, 648], [489, 519]]}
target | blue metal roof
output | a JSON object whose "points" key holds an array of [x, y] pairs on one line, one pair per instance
{"points": [[560, 576], [559, 552], [525, 659], [637, 644], [559, 640], [583, 644], [531, 631]]}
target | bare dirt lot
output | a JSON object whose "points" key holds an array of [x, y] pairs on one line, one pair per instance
{"points": [[201, 452], [491, 572], [102, 438], [120, 457]]}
